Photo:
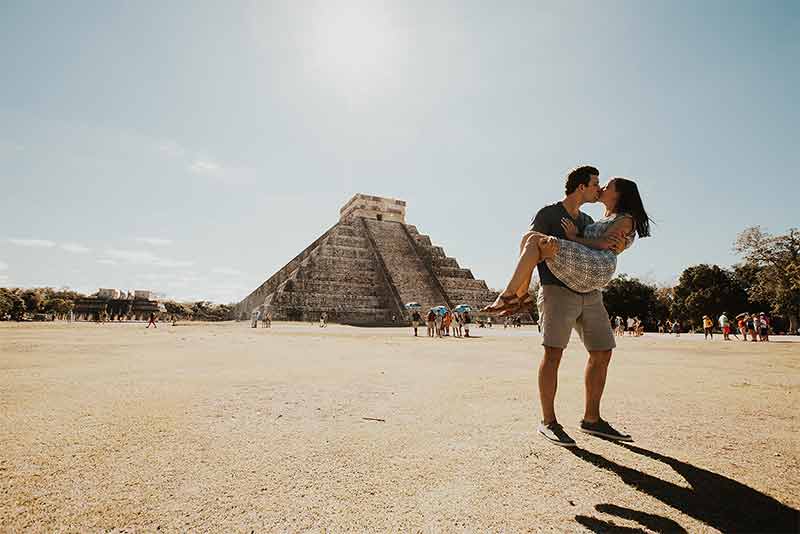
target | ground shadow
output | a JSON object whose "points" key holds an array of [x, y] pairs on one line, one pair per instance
{"points": [[655, 523], [716, 500]]}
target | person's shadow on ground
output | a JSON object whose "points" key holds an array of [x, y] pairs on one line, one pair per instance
{"points": [[716, 500]]}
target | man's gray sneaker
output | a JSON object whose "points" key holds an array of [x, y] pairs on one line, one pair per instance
{"points": [[554, 433], [604, 430]]}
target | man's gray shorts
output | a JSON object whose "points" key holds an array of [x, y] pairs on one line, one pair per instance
{"points": [[561, 310]]}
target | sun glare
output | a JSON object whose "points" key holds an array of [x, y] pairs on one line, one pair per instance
{"points": [[352, 42]]}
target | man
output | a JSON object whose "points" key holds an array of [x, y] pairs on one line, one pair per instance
{"points": [[561, 310], [152, 321], [430, 320], [415, 319], [725, 325]]}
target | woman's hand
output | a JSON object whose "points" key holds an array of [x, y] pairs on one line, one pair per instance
{"points": [[569, 229]]}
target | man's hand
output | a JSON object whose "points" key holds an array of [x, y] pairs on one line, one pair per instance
{"points": [[569, 229], [548, 247]]}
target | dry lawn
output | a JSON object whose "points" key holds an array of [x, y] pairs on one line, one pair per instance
{"points": [[219, 427]]}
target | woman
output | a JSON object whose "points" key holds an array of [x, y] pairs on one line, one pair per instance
{"points": [[583, 263]]}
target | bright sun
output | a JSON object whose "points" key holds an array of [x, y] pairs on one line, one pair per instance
{"points": [[352, 41]]}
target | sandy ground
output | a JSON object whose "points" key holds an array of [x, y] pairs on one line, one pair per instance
{"points": [[219, 427]]}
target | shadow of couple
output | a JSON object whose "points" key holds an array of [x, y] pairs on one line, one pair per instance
{"points": [[716, 500]]}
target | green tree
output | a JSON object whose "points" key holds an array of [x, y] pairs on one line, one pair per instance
{"points": [[34, 299], [59, 306], [707, 290], [11, 304], [178, 310], [630, 297], [777, 258]]}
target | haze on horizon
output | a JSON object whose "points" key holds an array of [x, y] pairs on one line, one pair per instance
{"points": [[193, 148]]}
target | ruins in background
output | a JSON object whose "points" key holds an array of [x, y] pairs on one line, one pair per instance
{"points": [[116, 305]]}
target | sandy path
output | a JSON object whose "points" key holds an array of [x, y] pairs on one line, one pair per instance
{"points": [[225, 428]]}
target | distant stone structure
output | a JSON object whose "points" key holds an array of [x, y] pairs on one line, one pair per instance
{"points": [[364, 269], [116, 305]]}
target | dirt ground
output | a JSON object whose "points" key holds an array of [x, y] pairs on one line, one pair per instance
{"points": [[220, 427]]}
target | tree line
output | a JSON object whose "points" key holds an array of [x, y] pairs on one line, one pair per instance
{"points": [[17, 304], [767, 280]]}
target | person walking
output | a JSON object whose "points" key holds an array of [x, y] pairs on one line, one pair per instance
{"points": [[268, 320], [152, 321], [430, 320], [467, 320]]}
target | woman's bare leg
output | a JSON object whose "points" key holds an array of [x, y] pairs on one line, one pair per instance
{"points": [[521, 279]]}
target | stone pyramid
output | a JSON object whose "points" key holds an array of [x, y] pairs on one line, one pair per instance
{"points": [[364, 269]]}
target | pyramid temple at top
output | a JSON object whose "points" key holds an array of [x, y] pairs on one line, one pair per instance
{"points": [[364, 269]]}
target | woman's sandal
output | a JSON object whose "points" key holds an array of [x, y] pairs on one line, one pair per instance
{"points": [[507, 303], [521, 306]]}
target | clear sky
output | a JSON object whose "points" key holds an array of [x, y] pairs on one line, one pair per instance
{"points": [[193, 148]]}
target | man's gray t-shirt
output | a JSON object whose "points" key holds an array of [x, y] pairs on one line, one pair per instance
{"points": [[548, 221]]}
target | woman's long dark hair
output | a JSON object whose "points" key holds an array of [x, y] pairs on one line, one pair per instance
{"points": [[630, 202]]}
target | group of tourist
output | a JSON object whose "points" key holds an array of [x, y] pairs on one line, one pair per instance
{"points": [[442, 325], [632, 325], [754, 325]]}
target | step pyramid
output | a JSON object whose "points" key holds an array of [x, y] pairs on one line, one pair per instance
{"points": [[364, 269]]}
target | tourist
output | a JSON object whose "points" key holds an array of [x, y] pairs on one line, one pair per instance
{"points": [[256, 318], [763, 327], [570, 287], [268, 319], [415, 320], [457, 320], [725, 325], [660, 326], [438, 324], [152, 321], [489, 321], [323, 320], [676, 328], [467, 320], [431, 322], [708, 327], [752, 325], [639, 326], [446, 323], [742, 324]]}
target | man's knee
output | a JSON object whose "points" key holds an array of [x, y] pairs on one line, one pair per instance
{"points": [[552, 355], [601, 357]]}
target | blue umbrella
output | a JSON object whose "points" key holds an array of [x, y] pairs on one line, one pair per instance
{"points": [[439, 310], [413, 306], [461, 308]]}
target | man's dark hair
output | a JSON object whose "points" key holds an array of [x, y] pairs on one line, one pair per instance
{"points": [[579, 176]]}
